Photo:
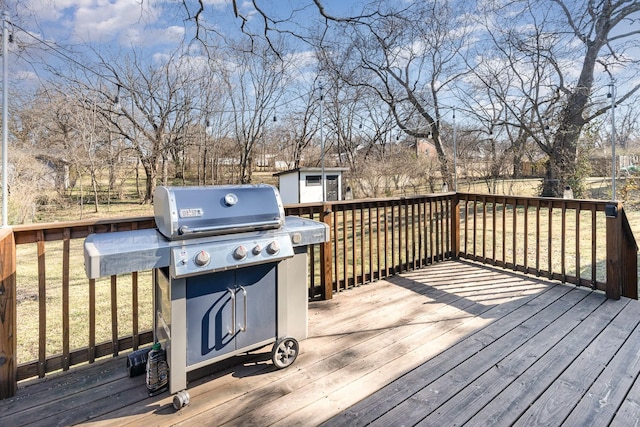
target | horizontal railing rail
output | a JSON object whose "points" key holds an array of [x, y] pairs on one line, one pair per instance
{"points": [[77, 320]]}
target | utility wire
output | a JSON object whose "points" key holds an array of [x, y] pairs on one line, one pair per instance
{"points": [[62, 54], [67, 56]]}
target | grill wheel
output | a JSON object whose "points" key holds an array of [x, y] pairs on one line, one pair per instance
{"points": [[284, 352]]}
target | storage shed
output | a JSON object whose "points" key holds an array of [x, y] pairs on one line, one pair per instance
{"points": [[304, 185]]}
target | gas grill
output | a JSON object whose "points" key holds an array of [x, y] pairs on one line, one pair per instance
{"points": [[229, 274]]}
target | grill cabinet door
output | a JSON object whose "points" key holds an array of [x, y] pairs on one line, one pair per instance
{"points": [[259, 283], [209, 313], [210, 302]]}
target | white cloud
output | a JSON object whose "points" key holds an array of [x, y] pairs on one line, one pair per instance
{"points": [[104, 20], [137, 36], [127, 22]]}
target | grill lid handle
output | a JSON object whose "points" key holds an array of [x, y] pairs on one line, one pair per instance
{"points": [[221, 229]]}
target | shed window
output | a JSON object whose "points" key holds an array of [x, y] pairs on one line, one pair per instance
{"points": [[313, 180]]}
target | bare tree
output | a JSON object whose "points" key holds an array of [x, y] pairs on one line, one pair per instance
{"points": [[152, 110], [297, 130], [559, 106], [255, 82], [410, 56]]}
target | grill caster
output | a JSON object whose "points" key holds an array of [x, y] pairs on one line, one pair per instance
{"points": [[284, 352], [181, 399]]}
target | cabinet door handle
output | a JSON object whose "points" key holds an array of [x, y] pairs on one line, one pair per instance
{"points": [[244, 294], [232, 295]]}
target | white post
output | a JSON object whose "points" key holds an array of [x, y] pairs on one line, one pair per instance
{"points": [[455, 155], [5, 118], [324, 185], [613, 139]]}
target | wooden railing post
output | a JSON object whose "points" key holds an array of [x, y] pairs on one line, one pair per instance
{"points": [[326, 256], [614, 250], [455, 226], [629, 260], [8, 338]]}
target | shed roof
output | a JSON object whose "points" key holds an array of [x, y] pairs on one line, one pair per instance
{"points": [[311, 169]]}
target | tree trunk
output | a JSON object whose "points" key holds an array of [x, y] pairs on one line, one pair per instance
{"points": [[561, 170], [94, 185], [245, 167], [151, 172]]}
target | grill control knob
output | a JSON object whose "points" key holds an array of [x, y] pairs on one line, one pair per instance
{"points": [[257, 249], [202, 258], [240, 253], [273, 247]]}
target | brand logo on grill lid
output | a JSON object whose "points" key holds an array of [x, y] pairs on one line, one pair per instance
{"points": [[191, 212]]}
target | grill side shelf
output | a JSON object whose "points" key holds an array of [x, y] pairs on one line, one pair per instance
{"points": [[123, 252]]}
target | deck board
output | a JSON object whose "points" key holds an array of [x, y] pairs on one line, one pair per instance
{"points": [[449, 344], [446, 388], [479, 392]]}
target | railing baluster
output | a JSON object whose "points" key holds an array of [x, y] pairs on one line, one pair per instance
{"points": [[439, 231], [92, 321], [345, 254], [335, 234], [394, 268], [504, 231], [387, 270], [484, 229], [407, 237], [91, 356], [550, 242], [354, 232], [431, 234], [563, 243], [578, 244], [326, 255], [514, 236], [494, 214], [594, 245], [413, 236], [526, 235], [42, 305], [134, 310], [380, 254], [371, 251], [466, 225], [400, 235], [538, 237], [447, 224], [362, 252], [475, 226], [66, 236], [114, 315], [420, 234]]}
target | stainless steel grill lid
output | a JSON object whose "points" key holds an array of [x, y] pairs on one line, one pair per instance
{"points": [[186, 212], [236, 226]]}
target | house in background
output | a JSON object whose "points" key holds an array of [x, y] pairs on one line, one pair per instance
{"points": [[304, 185], [425, 147]]}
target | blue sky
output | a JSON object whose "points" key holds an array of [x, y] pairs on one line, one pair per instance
{"points": [[155, 27], [145, 22]]}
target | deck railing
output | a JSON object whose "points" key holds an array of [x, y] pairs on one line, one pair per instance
{"points": [[588, 243], [376, 238], [583, 242]]}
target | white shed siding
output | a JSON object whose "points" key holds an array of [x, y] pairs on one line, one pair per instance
{"points": [[312, 193], [289, 188]]}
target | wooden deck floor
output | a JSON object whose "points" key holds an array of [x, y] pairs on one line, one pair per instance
{"points": [[450, 344]]}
